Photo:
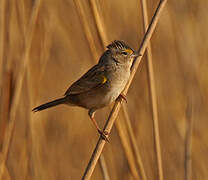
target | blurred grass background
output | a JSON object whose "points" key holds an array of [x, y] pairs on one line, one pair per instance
{"points": [[57, 143]]}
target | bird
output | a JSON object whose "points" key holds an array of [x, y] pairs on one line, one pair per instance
{"points": [[102, 84]]}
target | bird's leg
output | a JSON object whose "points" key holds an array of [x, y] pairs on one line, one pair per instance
{"points": [[122, 96], [103, 134]]}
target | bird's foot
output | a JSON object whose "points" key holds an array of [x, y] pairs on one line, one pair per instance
{"points": [[104, 134], [122, 96]]}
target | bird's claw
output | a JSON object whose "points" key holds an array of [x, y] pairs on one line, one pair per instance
{"points": [[104, 134], [122, 96]]}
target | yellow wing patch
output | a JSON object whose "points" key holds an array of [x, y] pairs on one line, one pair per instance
{"points": [[104, 80], [129, 51]]}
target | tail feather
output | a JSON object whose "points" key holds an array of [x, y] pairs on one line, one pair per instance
{"points": [[50, 104]]}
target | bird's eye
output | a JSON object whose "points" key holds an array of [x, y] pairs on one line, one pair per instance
{"points": [[124, 53]]}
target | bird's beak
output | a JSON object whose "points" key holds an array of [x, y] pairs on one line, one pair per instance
{"points": [[135, 54]]}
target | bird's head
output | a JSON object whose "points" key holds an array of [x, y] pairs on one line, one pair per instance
{"points": [[121, 52]]}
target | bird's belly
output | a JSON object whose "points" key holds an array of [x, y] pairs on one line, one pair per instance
{"points": [[102, 96], [114, 91], [102, 100]]}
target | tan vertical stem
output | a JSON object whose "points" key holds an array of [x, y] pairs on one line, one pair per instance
{"points": [[5, 103], [152, 94], [99, 23], [124, 138], [188, 141], [86, 28], [19, 83], [127, 149], [134, 143], [2, 38], [104, 168], [111, 119], [90, 39]]}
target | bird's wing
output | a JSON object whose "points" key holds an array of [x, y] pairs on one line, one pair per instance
{"points": [[93, 78]]}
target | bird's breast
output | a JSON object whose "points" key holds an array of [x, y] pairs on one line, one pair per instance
{"points": [[117, 82]]}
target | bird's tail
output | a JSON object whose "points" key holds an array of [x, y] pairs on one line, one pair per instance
{"points": [[50, 104]]}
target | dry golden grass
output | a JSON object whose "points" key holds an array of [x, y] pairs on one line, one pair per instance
{"points": [[42, 54]]}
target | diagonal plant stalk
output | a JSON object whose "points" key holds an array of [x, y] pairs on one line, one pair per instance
{"points": [[19, 82], [151, 81], [113, 114]]}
